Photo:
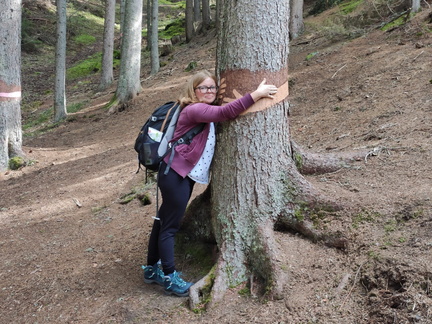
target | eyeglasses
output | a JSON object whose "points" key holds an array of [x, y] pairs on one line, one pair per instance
{"points": [[203, 89]]}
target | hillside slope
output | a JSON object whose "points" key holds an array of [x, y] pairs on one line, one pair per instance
{"points": [[72, 253]]}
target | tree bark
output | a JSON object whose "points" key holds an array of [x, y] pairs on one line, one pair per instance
{"points": [[107, 76], [206, 18], [197, 10], [243, 218], [60, 111], [415, 6], [154, 38], [129, 84], [149, 23], [10, 82], [296, 18], [189, 20]]}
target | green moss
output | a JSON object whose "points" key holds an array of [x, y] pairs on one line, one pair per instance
{"points": [[397, 22], [348, 7], [140, 192], [299, 215], [126, 199], [298, 160], [174, 28], [191, 66], [310, 56], [206, 292], [16, 163], [245, 292]]}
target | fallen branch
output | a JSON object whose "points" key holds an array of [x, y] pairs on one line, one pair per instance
{"points": [[337, 71], [376, 152], [415, 58], [76, 201], [352, 287]]}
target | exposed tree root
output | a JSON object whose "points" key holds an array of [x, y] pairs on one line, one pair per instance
{"points": [[304, 203], [314, 163], [306, 228], [198, 292]]}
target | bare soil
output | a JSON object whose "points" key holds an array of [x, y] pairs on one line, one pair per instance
{"points": [[71, 253]]}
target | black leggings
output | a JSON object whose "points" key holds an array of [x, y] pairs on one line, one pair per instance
{"points": [[176, 192]]}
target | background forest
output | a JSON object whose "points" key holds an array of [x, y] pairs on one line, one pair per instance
{"points": [[74, 230]]}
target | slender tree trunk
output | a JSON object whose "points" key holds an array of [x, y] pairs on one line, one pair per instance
{"points": [[122, 19], [219, 4], [149, 23], [296, 18], [129, 84], [108, 45], [60, 82], [415, 7], [154, 38], [206, 20], [197, 10], [10, 82], [189, 20]]}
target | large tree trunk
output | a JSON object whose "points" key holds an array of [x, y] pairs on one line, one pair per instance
{"points": [[129, 84], [255, 182], [243, 217], [10, 82], [60, 111], [108, 45]]}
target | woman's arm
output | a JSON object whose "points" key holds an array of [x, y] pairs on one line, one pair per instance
{"points": [[205, 113]]}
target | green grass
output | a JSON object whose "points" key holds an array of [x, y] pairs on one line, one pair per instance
{"points": [[85, 39], [91, 65]]}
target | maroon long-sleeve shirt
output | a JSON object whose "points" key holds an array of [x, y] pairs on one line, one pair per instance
{"points": [[186, 156]]}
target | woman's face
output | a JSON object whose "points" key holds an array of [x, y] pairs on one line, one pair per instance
{"points": [[206, 91]]}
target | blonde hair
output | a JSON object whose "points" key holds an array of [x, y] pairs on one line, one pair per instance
{"points": [[188, 96]]}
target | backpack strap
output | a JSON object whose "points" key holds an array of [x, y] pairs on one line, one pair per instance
{"points": [[185, 139], [166, 117]]}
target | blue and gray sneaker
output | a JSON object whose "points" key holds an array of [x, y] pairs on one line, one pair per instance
{"points": [[153, 274], [176, 285]]}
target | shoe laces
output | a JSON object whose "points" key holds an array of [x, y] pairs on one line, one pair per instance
{"points": [[176, 280]]}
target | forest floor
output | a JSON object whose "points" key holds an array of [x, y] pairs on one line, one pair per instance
{"points": [[71, 253]]}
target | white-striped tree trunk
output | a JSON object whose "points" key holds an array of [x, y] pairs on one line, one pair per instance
{"points": [[10, 81]]}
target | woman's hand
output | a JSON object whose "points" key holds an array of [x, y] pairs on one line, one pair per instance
{"points": [[264, 91]]}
